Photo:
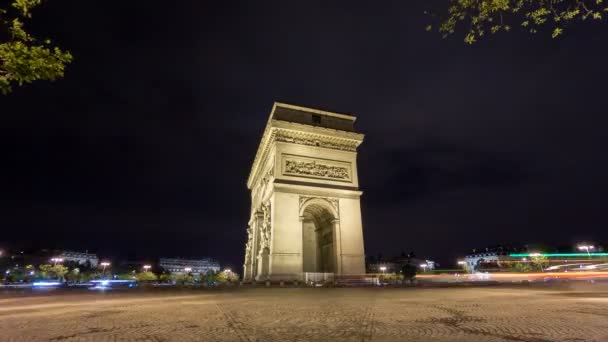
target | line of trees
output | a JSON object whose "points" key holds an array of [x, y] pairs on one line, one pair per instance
{"points": [[73, 272]]}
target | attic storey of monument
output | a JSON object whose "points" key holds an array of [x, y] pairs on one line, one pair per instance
{"points": [[305, 212]]}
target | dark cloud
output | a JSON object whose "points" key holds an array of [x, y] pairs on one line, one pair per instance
{"points": [[418, 171]]}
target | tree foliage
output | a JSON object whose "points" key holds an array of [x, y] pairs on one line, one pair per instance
{"points": [[226, 277], [480, 18], [73, 275], [183, 278], [539, 262], [23, 58], [146, 276], [52, 271], [126, 276]]}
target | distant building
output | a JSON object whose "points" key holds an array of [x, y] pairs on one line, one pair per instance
{"points": [[21, 258], [78, 257], [201, 266], [474, 261], [502, 257]]}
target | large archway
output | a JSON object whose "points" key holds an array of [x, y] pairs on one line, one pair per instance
{"points": [[305, 186], [318, 245]]}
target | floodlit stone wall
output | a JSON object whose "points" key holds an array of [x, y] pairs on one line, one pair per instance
{"points": [[305, 214]]}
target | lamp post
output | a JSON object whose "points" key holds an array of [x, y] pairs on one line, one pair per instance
{"points": [[147, 267], [586, 248], [382, 268], [104, 265], [537, 256], [424, 266], [56, 260]]}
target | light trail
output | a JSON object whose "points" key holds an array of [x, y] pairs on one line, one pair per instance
{"points": [[515, 276], [549, 255]]}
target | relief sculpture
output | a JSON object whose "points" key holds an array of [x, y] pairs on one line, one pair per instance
{"points": [[266, 231], [248, 245], [315, 169]]}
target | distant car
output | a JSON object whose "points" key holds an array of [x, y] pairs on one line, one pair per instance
{"points": [[48, 284]]}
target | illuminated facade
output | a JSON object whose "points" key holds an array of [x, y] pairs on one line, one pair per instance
{"points": [[199, 266], [305, 213], [78, 257]]}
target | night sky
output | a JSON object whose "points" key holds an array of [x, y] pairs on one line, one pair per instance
{"points": [[144, 149]]}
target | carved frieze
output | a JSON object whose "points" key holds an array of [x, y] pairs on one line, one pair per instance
{"points": [[310, 140], [316, 169]]}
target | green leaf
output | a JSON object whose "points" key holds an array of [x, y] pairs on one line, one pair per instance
{"points": [[23, 59]]}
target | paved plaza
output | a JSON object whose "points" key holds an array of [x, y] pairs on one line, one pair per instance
{"points": [[305, 314]]}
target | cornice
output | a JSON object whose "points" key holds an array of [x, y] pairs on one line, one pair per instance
{"points": [[317, 140], [323, 131], [317, 192], [330, 138], [322, 137], [260, 154]]}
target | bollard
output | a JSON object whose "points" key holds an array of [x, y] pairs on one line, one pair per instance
{"points": [[281, 284], [267, 283]]}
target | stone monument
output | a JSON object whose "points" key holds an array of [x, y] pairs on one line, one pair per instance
{"points": [[305, 213]]}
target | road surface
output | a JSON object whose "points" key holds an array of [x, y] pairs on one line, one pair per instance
{"points": [[524, 314]]}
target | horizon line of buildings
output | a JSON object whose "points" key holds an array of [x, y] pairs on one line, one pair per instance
{"points": [[176, 265], [497, 257]]}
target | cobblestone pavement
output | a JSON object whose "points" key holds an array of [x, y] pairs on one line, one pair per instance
{"points": [[292, 314]]}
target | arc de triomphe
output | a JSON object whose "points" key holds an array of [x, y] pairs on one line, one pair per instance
{"points": [[305, 212]]}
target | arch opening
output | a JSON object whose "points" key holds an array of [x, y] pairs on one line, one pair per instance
{"points": [[318, 247]]}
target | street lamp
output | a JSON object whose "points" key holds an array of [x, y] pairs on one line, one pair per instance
{"points": [[56, 260], [147, 267], [586, 248], [104, 265], [187, 269], [538, 255], [424, 266], [382, 268]]}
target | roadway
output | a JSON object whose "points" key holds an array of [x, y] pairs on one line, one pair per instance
{"points": [[488, 313]]}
